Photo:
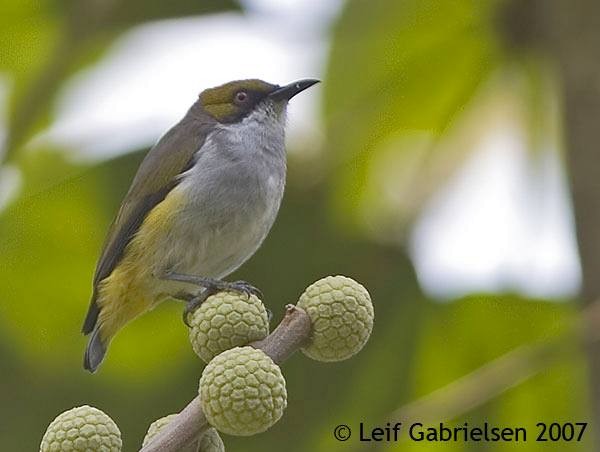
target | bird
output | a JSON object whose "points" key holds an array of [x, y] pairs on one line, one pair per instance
{"points": [[202, 202]]}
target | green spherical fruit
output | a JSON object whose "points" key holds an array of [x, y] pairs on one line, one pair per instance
{"points": [[82, 429], [226, 320], [341, 313], [242, 392], [210, 441], [157, 426]]}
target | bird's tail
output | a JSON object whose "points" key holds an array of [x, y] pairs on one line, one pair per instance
{"points": [[95, 351], [110, 310], [96, 348]]}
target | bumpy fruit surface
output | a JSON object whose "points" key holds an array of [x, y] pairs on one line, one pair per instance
{"points": [[226, 320], [210, 441], [242, 392], [82, 429], [341, 314]]}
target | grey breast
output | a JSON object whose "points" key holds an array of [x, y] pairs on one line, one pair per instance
{"points": [[234, 195]]}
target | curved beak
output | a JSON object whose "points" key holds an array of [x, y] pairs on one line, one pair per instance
{"points": [[288, 91]]}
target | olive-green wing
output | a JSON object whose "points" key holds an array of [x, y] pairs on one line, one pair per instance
{"points": [[156, 177]]}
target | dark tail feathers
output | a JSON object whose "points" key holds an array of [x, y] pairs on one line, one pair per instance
{"points": [[92, 316], [94, 352]]}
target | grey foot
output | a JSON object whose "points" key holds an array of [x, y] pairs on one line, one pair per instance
{"points": [[211, 286], [215, 285], [243, 287]]}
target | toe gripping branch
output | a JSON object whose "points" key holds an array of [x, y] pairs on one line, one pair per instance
{"points": [[211, 286]]}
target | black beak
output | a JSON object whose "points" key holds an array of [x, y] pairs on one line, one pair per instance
{"points": [[288, 91]]}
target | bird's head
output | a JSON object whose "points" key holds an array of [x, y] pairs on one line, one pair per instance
{"points": [[235, 100]]}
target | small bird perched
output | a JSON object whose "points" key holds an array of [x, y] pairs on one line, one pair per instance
{"points": [[203, 200]]}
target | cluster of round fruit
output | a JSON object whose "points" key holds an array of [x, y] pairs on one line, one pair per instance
{"points": [[242, 390]]}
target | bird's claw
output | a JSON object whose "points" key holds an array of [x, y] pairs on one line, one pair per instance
{"points": [[269, 314], [186, 313], [242, 287], [189, 309], [194, 303], [245, 288]]}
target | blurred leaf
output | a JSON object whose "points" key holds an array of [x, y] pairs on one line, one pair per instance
{"points": [[397, 70], [460, 337], [27, 30], [51, 239], [130, 12], [92, 16], [46, 41]]}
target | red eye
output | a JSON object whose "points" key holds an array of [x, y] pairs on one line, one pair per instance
{"points": [[241, 96]]}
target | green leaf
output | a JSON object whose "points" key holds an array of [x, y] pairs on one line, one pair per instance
{"points": [[27, 30], [398, 70], [137, 11], [51, 239], [45, 42], [460, 337]]}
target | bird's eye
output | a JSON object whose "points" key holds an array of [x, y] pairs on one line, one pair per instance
{"points": [[241, 97]]}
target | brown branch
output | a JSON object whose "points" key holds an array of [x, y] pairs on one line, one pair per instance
{"points": [[290, 334], [190, 423]]}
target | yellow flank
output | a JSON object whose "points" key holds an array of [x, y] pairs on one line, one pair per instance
{"points": [[132, 288]]}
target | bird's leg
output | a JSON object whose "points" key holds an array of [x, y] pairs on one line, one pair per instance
{"points": [[215, 285], [211, 286]]}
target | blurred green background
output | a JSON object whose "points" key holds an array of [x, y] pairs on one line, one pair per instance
{"points": [[412, 91]]}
